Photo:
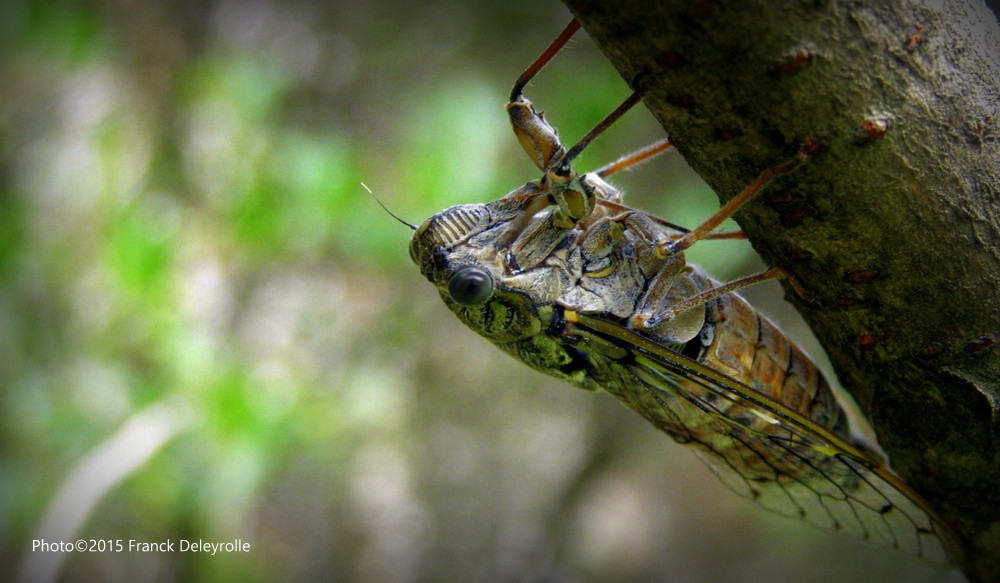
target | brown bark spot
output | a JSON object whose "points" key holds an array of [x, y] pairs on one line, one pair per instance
{"points": [[979, 345], [860, 276], [792, 61], [865, 341]]}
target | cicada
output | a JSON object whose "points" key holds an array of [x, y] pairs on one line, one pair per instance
{"points": [[564, 277]]}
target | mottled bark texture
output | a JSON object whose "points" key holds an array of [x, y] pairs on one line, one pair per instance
{"points": [[893, 227]]}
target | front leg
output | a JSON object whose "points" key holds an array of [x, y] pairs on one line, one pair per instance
{"points": [[538, 138]]}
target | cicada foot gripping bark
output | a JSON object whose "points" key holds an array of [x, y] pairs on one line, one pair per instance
{"points": [[563, 276]]}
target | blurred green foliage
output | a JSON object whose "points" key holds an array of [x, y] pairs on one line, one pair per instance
{"points": [[182, 225]]}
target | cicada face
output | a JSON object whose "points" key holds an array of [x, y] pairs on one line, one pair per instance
{"points": [[457, 250], [452, 253]]}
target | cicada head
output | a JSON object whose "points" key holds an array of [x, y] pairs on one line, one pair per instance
{"points": [[508, 270], [457, 250]]}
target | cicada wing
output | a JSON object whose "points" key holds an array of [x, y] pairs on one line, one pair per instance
{"points": [[773, 455]]}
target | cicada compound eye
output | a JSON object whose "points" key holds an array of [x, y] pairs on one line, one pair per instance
{"points": [[470, 286]]}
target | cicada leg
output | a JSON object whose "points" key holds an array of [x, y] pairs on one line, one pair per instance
{"points": [[633, 159], [539, 139], [541, 142], [653, 315], [592, 191], [668, 248], [576, 194], [716, 235]]}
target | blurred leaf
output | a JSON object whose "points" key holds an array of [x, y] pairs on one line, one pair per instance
{"points": [[140, 251], [66, 33]]}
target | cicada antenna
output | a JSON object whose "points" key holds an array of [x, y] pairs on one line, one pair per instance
{"points": [[386, 209]]}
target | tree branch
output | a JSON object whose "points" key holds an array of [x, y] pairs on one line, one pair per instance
{"points": [[894, 227]]}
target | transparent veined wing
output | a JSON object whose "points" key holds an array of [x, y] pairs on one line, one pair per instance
{"points": [[766, 451]]}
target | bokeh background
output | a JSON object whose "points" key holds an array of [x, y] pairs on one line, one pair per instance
{"points": [[210, 331]]}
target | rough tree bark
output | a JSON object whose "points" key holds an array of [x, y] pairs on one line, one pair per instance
{"points": [[894, 227]]}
